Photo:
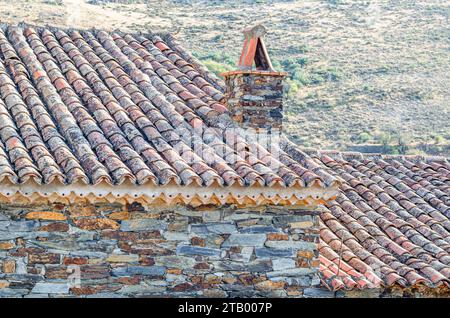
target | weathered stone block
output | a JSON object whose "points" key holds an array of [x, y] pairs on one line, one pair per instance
{"points": [[279, 264], [297, 245], [95, 271], [245, 255], [139, 270], [9, 266], [142, 289], [96, 224], [257, 266], [51, 288], [123, 215], [125, 258], [55, 227], [143, 225], [274, 252], [318, 293], [23, 226], [259, 229], [305, 254], [214, 228], [176, 236], [291, 272], [9, 292], [196, 250], [4, 284], [270, 285], [301, 225], [44, 258], [175, 261]]}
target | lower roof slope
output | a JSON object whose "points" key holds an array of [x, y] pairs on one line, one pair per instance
{"points": [[390, 224]]}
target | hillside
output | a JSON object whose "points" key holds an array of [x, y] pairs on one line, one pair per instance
{"points": [[364, 75]]}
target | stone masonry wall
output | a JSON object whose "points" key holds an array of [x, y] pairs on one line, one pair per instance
{"points": [[256, 101], [132, 251]]}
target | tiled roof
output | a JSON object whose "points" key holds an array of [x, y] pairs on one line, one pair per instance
{"points": [[93, 107], [390, 224]]}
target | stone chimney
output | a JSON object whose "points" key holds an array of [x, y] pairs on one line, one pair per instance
{"points": [[254, 92]]}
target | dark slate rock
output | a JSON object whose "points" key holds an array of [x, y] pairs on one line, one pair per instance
{"points": [[143, 225], [260, 266], [214, 228], [6, 236], [175, 261], [317, 293], [196, 250], [245, 240], [292, 272], [4, 225], [284, 220], [259, 229], [107, 295], [22, 277], [51, 288], [265, 252], [23, 226], [297, 245], [9, 292], [139, 270]]}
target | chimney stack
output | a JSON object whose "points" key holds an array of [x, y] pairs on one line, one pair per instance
{"points": [[254, 92]]}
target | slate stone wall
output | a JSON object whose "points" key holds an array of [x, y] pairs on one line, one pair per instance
{"points": [[255, 100], [136, 251]]}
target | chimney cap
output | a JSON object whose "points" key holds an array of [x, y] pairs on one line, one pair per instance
{"points": [[255, 31]]}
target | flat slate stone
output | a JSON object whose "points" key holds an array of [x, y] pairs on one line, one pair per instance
{"points": [[23, 226], [139, 270], [317, 293], [4, 225], [6, 236], [89, 254], [196, 250], [245, 240], [258, 266], [297, 245], [12, 292], [214, 228], [51, 288], [279, 264], [259, 229], [265, 252], [176, 236], [106, 295], [292, 272], [141, 289], [143, 225], [175, 261]]}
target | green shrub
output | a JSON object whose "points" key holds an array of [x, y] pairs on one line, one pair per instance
{"points": [[364, 137]]}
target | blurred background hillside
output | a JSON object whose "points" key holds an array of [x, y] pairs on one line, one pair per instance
{"points": [[369, 76]]}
